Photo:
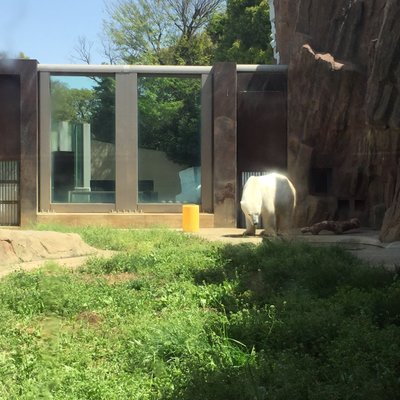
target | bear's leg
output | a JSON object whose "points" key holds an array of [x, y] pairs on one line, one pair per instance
{"points": [[269, 224], [284, 220], [278, 224], [250, 227]]}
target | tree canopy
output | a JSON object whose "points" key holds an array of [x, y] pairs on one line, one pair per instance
{"points": [[83, 105], [174, 32], [71, 104], [169, 117], [242, 33], [160, 31], [190, 32]]}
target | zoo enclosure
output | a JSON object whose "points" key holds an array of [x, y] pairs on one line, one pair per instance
{"points": [[114, 166]]}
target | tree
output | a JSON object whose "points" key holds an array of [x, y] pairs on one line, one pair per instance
{"points": [[190, 16], [21, 55], [103, 109], [83, 50], [184, 32], [95, 106], [169, 117], [148, 32], [242, 34], [199, 50], [74, 105]]}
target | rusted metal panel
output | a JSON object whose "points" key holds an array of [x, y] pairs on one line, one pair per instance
{"points": [[9, 117], [19, 93]]}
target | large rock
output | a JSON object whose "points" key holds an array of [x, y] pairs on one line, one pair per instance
{"points": [[17, 246], [344, 105], [391, 223]]}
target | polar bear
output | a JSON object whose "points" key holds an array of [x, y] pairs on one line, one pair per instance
{"points": [[271, 196]]}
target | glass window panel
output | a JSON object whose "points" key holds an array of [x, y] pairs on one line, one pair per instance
{"points": [[169, 140], [83, 139]]}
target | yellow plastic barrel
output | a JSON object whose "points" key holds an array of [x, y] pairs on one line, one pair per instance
{"points": [[190, 217]]}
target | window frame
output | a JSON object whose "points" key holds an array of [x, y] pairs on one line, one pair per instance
{"points": [[126, 145]]}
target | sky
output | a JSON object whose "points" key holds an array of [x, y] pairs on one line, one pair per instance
{"points": [[48, 30]]}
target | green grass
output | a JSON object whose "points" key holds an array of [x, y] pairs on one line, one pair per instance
{"points": [[172, 316]]}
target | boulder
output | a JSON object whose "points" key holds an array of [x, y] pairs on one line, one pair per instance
{"points": [[344, 105], [390, 231], [17, 246]]}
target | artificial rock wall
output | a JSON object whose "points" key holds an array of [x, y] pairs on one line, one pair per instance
{"points": [[343, 109]]}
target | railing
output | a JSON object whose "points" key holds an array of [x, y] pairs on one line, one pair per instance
{"points": [[152, 69]]}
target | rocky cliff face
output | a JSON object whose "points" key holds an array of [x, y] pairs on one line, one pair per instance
{"points": [[344, 108]]}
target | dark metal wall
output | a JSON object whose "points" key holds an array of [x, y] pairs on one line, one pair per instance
{"points": [[19, 138], [10, 149], [261, 122], [261, 126], [10, 117]]}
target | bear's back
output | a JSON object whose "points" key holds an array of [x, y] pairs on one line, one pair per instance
{"points": [[278, 192]]}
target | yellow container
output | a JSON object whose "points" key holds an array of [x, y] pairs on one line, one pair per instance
{"points": [[190, 217]]}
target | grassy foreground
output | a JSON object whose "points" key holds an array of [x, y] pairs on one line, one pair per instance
{"points": [[175, 317]]}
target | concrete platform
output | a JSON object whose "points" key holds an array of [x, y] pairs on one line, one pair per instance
{"points": [[364, 243]]}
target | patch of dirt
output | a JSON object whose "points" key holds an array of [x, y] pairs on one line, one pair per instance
{"points": [[90, 317], [120, 278], [111, 279]]}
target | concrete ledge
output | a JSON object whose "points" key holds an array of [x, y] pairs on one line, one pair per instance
{"points": [[122, 220]]}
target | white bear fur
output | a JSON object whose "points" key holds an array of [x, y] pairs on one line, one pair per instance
{"points": [[271, 196]]}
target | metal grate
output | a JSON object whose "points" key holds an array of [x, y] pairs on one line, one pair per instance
{"points": [[247, 175], [9, 193]]}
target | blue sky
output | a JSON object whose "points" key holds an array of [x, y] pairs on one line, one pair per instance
{"points": [[48, 30]]}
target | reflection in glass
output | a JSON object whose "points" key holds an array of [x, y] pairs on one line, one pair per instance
{"points": [[83, 139], [169, 140]]}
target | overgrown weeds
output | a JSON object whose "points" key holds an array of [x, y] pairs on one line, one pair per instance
{"points": [[199, 320]]}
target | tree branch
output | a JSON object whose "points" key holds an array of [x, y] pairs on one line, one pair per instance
{"points": [[337, 227]]}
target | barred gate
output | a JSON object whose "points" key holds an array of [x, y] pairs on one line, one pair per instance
{"points": [[9, 193]]}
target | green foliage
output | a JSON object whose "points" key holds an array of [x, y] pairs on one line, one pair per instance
{"points": [[75, 105], [172, 316], [169, 118], [161, 31], [139, 30], [191, 32], [196, 50], [80, 105], [242, 33], [103, 110], [169, 113]]}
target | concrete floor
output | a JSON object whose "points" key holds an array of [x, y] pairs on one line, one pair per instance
{"points": [[363, 243]]}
